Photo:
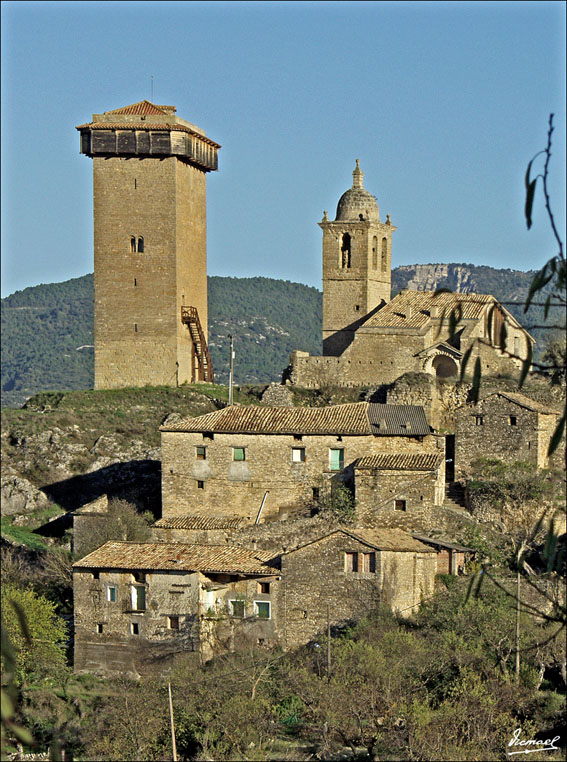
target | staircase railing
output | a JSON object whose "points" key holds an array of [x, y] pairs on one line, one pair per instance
{"points": [[190, 317]]}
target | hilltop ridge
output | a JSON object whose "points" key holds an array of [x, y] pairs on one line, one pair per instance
{"points": [[48, 329]]}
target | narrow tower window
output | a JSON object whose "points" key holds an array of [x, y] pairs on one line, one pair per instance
{"points": [[141, 244], [375, 253], [132, 244], [345, 251], [384, 254]]}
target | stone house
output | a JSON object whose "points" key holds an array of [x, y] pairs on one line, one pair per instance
{"points": [[369, 338], [139, 605], [399, 490], [346, 574], [257, 463], [505, 425]]}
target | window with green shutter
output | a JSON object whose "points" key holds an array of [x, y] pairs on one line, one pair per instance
{"points": [[336, 459]]}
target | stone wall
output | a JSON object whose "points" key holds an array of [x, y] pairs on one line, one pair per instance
{"points": [[139, 337], [486, 430], [397, 499], [200, 602], [315, 583], [221, 486]]}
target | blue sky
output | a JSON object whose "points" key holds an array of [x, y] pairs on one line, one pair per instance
{"points": [[444, 104]]}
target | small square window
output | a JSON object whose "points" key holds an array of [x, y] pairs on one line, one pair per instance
{"points": [[200, 484], [298, 454], [264, 587], [111, 594], [239, 453], [513, 420], [479, 420], [208, 435], [236, 608], [262, 609], [400, 505], [201, 453], [298, 437], [135, 628], [173, 622], [99, 628], [96, 575], [351, 562]]}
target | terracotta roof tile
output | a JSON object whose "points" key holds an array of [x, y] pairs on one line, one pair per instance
{"points": [[395, 313], [401, 461], [221, 559], [197, 521], [381, 539], [143, 107], [390, 539], [354, 418]]}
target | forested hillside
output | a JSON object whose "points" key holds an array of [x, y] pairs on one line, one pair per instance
{"points": [[47, 330]]}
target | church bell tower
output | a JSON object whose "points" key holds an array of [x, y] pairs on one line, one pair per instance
{"points": [[357, 250]]}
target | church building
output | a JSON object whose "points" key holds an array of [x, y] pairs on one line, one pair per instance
{"points": [[369, 338]]}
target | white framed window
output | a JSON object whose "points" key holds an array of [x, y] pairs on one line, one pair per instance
{"points": [[298, 454], [111, 593], [138, 597], [263, 609]]}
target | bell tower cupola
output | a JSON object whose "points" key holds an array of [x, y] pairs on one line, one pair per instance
{"points": [[357, 249]]}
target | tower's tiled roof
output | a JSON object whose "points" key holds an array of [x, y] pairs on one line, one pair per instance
{"points": [[212, 559], [144, 108], [355, 418]]}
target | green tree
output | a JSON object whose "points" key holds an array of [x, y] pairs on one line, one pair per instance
{"points": [[41, 651], [121, 522]]}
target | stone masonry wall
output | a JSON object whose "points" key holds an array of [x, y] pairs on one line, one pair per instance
{"points": [[315, 578], [139, 337], [526, 440], [221, 486], [201, 603]]}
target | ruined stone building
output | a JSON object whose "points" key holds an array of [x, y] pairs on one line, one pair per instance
{"points": [[139, 606], [508, 426], [369, 338], [150, 245], [257, 463]]}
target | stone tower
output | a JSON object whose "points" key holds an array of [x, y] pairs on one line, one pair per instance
{"points": [[357, 250], [150, 246]]}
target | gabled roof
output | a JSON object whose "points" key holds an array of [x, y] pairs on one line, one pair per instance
{"points": [[355, 418], [401, 462], [412, 309], [521, 399], [380, 539], [198, 521], [143, 108], [211, 559]]}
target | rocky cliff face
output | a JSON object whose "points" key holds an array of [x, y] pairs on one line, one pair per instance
{"points": [[431, 277]]}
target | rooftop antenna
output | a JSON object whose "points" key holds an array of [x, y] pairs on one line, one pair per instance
{"points": [[152, 87]]}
